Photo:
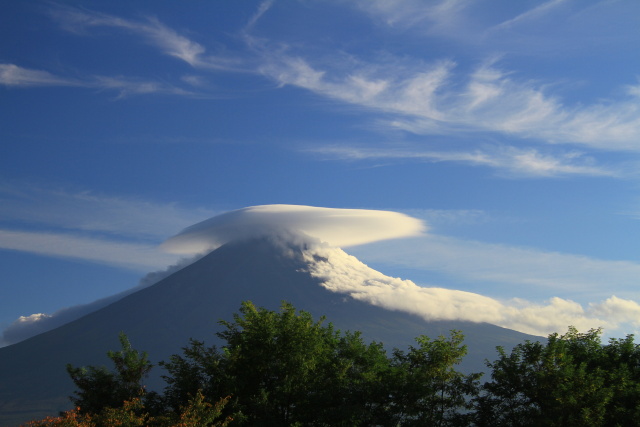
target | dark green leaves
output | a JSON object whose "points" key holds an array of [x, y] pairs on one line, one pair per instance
{"points": [[284, 368], [572, 380], [99, 388]]}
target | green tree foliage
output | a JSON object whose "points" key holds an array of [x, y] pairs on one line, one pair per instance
{"points": [[427, 389], [273, 360], [198, 368], [352, 384], [284, 368], [99, 388], [572, 380]]}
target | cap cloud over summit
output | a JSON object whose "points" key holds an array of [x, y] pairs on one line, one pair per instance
{"points": [[337, 227]]}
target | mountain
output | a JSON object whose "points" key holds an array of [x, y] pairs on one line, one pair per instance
{"points": [[160, 319]]}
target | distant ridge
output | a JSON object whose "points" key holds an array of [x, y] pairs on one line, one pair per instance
{"points": [[160, 319]]}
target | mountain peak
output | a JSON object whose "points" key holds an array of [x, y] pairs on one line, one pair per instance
{"points": [[161, 318]]}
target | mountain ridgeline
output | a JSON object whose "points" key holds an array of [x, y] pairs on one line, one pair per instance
{"points": [[189, 304]]}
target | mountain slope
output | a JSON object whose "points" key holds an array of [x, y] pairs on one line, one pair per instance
{"points": [[161, 318]]}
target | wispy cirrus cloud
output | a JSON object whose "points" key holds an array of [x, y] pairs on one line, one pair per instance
{"points": [[410, 94], [128, 86], [523, 28], [434, 99], [410, 13], [78, 20], [151, 29], [511, 161], [12, 75], [532, 14], [155, 33]]}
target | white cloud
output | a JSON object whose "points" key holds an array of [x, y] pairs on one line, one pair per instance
{"points": [[529, 28], [13, 75], [513, 161], [171, 42], [618, 309], [138, 257], [416, 97], [33, 318], [436, 16], [425, 101], [345, 274], [151, 29], [339, 227], [262, 9], [126, 87], [530, 15], [446, 217], [90, 212], [16, 76], [524, 271]]}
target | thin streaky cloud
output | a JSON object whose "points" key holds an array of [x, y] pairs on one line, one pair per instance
{"points": [[152, 30], [530, 14], [171, 42], [77, 21], [455, 217], [410, 13], [466, 22], [132, 256], [14, 75], [127, 87], [262, 9], [89, 212], [516, 162]]}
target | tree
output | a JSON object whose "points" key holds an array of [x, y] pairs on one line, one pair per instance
{"points": [[272, 359], [284, 368], [350, 386], [621, 362], [99, 388], [198, 369], [426, 388], [571, 380]]}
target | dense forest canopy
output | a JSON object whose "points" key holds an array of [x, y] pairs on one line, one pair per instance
{"points": [[283, 368]]}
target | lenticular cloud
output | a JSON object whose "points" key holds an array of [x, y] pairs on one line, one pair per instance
{"points": [[337, 227]]}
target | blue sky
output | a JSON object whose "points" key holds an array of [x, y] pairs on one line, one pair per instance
{"points": [[511, 128]]}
